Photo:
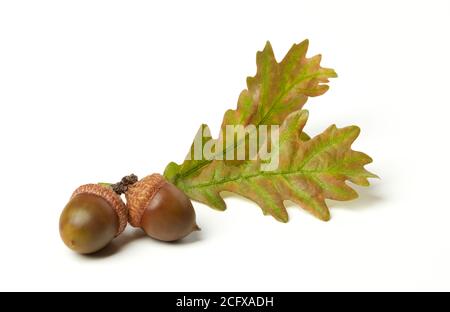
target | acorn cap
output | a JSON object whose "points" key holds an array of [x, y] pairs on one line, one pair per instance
{"points": [[140, 194], [111, 197]]}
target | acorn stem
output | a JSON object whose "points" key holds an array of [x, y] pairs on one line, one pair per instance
{"points": [[196, 228], [122, 186]]}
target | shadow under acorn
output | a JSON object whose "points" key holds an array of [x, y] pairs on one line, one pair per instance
{"points": [[135, 235]]}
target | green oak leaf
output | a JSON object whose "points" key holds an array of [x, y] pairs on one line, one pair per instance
{"points": [[309, 172], [276, 90]]}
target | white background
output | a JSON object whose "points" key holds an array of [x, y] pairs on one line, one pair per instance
{"points": [[94, 90]]}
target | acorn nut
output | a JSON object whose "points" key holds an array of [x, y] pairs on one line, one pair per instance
{"points": [[162, 210], [94, 216]]}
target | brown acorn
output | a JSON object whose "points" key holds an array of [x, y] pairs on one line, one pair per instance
{"points": [[162, 210], [94, 215]]}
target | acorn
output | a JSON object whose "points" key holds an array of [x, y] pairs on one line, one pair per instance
{"points": [[93, 217], [158, 207]]}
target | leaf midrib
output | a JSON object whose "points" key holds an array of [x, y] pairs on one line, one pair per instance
{"points": [[255, 175], [284, 93], [299, 171], [276, 102]]}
